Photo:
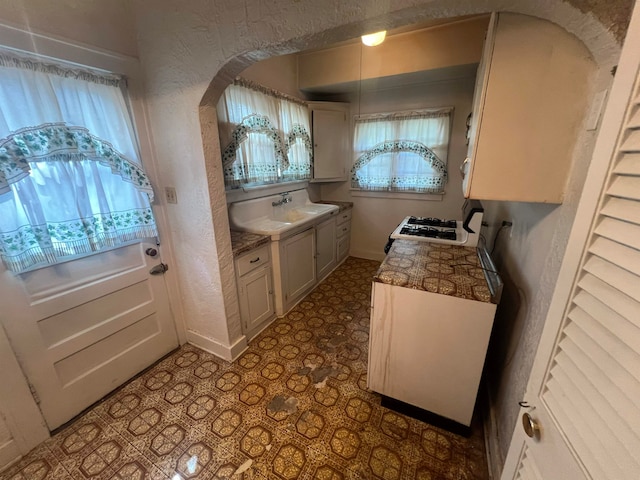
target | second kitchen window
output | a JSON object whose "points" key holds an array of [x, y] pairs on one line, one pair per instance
{"points": [[402, 152]]}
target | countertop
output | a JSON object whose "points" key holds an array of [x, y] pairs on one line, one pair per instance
{"points": [[445, 269], [341, 205], [242, 242]]}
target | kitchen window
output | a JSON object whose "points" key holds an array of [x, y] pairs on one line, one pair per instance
{"points": [[264, 136], [71, 182], [402, 152]]}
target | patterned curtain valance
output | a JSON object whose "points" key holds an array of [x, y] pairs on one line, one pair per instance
{"points": [[364, 178], [299, 132], [60, 142], [253, 124], [243, 82], [396, 146]]}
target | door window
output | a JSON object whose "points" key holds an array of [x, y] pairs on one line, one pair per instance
{"points": [[71, 182]]}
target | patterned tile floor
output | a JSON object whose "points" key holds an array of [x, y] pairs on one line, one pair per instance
{"points": [[295, 405]]}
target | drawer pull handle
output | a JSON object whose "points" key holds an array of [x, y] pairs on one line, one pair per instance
{"points": [[257, 259]]}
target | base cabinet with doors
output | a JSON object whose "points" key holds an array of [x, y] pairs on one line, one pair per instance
{"points": [[297, 267], [532, 89], [331, 141], [255, 289], [326, 247]]}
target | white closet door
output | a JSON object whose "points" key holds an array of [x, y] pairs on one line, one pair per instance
{"points": [[584, 392]]}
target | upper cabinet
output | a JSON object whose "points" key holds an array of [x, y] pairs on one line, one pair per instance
{"points": [[331, 145], [530, 99]]}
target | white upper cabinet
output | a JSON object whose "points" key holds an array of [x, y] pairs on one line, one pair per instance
{"points": [[531, 95], [331, 141]]}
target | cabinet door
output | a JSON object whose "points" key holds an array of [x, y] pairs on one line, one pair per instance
{"points": [[529, 112], [256, 298], [299, 275], [482, 77], [343, 247], [330, 144], [325, 247]]}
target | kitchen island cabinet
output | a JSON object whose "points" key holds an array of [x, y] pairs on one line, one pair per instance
{"points": [[531, 93]]}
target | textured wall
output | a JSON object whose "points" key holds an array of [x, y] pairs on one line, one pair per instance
{"points": [[184, 45], [614, 15]]}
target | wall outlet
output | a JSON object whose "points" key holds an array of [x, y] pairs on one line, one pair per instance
{"points": [[170, 194]]}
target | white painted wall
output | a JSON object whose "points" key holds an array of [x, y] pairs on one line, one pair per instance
{"points": [[279, 73]]}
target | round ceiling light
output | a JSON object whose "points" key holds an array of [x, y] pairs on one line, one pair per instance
{"points": [[374, 39]]}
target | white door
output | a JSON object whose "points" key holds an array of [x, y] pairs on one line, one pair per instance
{"points": [[81, 328], [584, 390]]}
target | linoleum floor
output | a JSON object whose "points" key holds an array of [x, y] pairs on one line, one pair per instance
{"points": [[294, 405]]}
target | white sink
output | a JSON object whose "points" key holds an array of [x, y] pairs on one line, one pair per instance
{"points": [[259, 215]]}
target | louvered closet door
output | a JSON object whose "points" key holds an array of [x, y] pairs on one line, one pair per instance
{"points": [[584, 392]]}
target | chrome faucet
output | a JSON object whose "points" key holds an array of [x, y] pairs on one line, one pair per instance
{"points": [[286, 198]]}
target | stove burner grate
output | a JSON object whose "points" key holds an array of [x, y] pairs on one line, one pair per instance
{"points": [[431, 222], [422, 231]]}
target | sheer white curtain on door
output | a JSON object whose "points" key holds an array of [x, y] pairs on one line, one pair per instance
{"points": [[70, 176]]}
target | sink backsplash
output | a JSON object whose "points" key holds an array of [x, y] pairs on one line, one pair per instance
{"points": [[247, 210]]}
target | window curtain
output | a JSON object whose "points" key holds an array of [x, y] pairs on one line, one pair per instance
{"points": [[71, 181], [264, 136], [402, 151]]}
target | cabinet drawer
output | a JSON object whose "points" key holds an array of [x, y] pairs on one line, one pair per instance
{"points": [[343, 230], [252, 260], [343, 217]]}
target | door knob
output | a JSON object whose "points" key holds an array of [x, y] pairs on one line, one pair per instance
{"points": [[530, 425], [152, 252], [159, 269]]}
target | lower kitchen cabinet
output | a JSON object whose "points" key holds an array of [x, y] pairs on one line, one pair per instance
{"points": [[343, 235], [325, 247], [297, 259], [255, 289]]}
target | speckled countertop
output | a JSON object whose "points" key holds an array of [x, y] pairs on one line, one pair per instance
{"points": [[432, 267], [341, 205], [242, 242]]}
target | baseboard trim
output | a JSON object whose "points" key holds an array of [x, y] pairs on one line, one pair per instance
{"points": [[226, 352]]}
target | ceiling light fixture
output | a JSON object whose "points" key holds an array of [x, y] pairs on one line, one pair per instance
{"points": [[374, 39]]}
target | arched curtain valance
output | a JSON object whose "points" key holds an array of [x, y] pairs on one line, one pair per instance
{"points": [[60, 142], [373, 180]]}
